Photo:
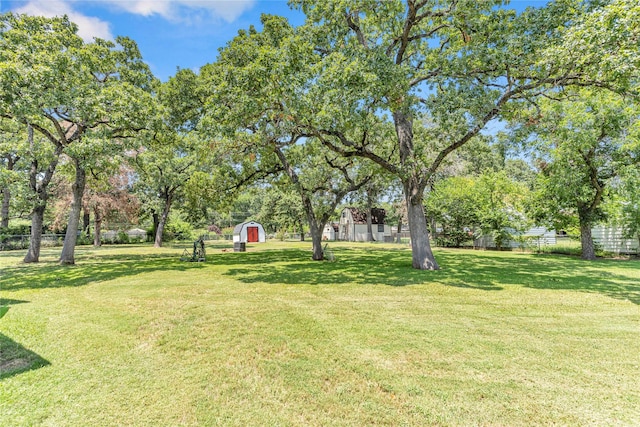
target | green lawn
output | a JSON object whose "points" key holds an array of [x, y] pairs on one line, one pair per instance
{"points": [[132, 336]]}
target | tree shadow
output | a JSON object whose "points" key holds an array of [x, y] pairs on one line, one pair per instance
{"points": [[105, 267], [10, 302], [15, 359], [463, 269], [490, 271]]}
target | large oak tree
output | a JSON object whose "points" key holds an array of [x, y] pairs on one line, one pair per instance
{"points": [[441, 71]]}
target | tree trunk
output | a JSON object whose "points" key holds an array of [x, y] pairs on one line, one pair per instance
{"points": [[301, 226], [67, 257], [6, 195], [156, 221], [97, 237], [314, 228], [162, 221], [35, 240], [586, 241], [86, 221], [422, 256], [399, 233], [6, 198], [316, 242], [414, 187], [38, 183]]}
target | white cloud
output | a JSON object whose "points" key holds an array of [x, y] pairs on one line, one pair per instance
{"points": [[88, 26], [175, 10], [142, 7], [171, 10]]}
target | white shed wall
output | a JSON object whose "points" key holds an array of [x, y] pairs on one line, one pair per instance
{"points": [[611, 240]]}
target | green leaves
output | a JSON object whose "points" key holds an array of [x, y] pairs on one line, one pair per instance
{"points": [[584, 144], [488, 204], [604, 44]]}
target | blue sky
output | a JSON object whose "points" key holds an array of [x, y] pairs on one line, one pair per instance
{"points": [[169, 33]]}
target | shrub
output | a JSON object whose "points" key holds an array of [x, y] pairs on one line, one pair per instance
{"points": [[122, 238], [179, 230]]}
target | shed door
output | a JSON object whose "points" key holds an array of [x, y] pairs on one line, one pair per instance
{"points": [[252, 235]]}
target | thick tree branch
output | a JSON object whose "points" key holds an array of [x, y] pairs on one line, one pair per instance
{"points": [[355, 151]]}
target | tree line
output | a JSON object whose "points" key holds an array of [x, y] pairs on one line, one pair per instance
{"points": [[364, 96]]}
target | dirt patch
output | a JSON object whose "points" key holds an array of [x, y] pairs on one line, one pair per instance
{"points": [[19, 364]]}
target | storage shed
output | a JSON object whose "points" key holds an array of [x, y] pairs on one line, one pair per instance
{"points": [[249, 232], [612, 239], [330, 231]]}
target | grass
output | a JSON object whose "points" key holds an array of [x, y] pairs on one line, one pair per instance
{"points": [[132, 336]]}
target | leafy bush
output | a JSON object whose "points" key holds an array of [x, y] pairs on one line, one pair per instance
{"points": [[83, 239], [179, 230], [453, 238], [15, 230], [122, 238]]}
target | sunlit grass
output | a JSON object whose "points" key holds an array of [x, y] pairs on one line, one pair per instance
{"points": [[133, 336]]}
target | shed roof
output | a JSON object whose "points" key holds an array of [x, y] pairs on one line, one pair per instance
{"points": [[238, 228], [360, 215]]}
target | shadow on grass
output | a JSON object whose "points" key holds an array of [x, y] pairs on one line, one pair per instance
{"points": [[15, 359], [102, 268], [489, 271], [483, 270], [10, 302]]}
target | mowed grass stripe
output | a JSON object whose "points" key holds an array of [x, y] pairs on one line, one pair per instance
{"points": [[131, 336]]}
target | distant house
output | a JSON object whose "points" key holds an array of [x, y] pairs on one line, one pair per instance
{"points": [[249, 232], [353, 225], [134, 234], [137, 233], [611, 239]]}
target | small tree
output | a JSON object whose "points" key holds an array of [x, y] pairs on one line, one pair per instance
{"points": [[454, 204], [584, 145]]}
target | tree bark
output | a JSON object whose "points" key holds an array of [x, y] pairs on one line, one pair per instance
{"points": [[6, 195], [422, 256], [414, 186], [586, 240], [6, 198], [163, 220], [399, 233], [316, 242], [35, 240], [315, 227], [67, 257]]}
